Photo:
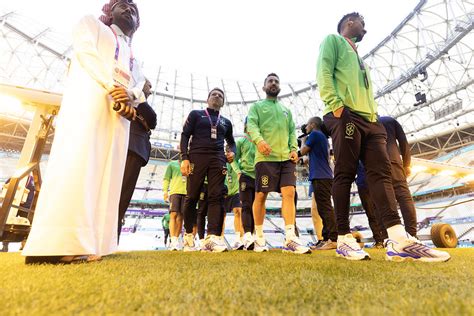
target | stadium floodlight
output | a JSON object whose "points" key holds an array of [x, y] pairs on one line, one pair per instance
{"points": [[11, 106], [447, 172], [468, 178], [418, 169]]}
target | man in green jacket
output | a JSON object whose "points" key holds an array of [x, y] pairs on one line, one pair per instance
{"points": [[175, 182], [351, 118], [232, 204], [271, 127], [244, 166], [165, 222]]}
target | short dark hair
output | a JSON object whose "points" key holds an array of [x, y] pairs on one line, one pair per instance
{"points": [[316, 120], [345, 18], [214, 89], [270, 75]]}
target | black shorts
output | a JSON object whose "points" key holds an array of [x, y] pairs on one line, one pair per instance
{"points": [[232, 202], [271, 176], [177, 203], [246, 183]]}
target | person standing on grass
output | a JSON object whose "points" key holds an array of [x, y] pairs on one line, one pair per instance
{"points": [[244, 166], [320, 175], [77, 211], [175, 182], [165, 222], [400, 160], [378, 232], [138, 154], [350, 117], [271, 127], [232, 204], [203, 155]]}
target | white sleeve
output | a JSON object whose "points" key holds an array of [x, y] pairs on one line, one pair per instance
{"points": [[85, 43], [138, 82]]}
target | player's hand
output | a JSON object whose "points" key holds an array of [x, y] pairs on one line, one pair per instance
{"points": [[407, 171], [166, 197], [238, 175], [230, 156], [264, 148], [121, 95], [338, 112], [293, 156], [185, 168], [127, 111]]}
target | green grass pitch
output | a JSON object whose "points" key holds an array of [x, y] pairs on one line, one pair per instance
{"points": [[238, 283]]}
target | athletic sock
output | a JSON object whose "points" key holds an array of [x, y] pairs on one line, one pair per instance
{"points": [[259, 231], [289, 231], [397, 232]]}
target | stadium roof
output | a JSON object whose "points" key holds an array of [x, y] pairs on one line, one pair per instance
{"points": [[428, 54]]}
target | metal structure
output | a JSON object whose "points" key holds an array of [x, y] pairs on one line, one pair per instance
{"points": [[429, 54]]}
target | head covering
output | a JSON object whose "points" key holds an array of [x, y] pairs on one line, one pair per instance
{"points": [[106, 18]]}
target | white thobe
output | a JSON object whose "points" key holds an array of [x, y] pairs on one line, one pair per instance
{"points": [[77, 210]]}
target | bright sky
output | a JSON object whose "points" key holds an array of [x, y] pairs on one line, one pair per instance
{"points": [[242, 40]]}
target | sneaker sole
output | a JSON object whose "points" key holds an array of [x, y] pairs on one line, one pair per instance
{"points": [[250, 247], [297, 253], [410, 259], [260, 250], [331, 248], [367, 257], [189, 250]]}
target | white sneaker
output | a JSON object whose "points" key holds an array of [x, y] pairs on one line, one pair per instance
{"points": [[238, 245], [174, 245], [327, 245], [260, 245], [411, 249], [295, 245], [213, 243], [188, 244], [249, 241], [348, 248]]}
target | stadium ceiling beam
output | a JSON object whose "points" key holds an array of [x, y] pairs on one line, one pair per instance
{"points": [[32, 39], [454, 90], [431, 147], [35, 38], [460, 31], [5, 16], [397, 29]]}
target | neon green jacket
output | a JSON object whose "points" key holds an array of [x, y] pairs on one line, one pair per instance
{"points": [[174, 177], [244, 160], [341, 80], [231, 181], [165, 221], [272, 122]]}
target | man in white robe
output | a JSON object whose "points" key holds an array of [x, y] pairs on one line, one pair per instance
{"points": [[76, 214]]}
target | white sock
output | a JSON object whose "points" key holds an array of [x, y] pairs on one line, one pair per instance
{"points": [[341, 238], [174, 239], [259, 231], [397, 232], [237, 236], [290, 231]]}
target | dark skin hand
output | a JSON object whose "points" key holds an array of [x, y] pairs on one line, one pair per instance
{"points": [[121, 96]]}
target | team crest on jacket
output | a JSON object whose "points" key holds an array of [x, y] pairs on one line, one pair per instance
{"points": [[265, 181], [350, 129], [243, 186], [201, 196]]}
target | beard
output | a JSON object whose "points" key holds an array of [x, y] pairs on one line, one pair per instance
{"points": [[273, 93], [359, 38]]}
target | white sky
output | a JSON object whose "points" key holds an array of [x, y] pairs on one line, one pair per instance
{"points": [[241, 40]]}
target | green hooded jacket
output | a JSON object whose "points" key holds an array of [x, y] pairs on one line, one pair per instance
{"points": [[343, 79], [271, 121]]}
